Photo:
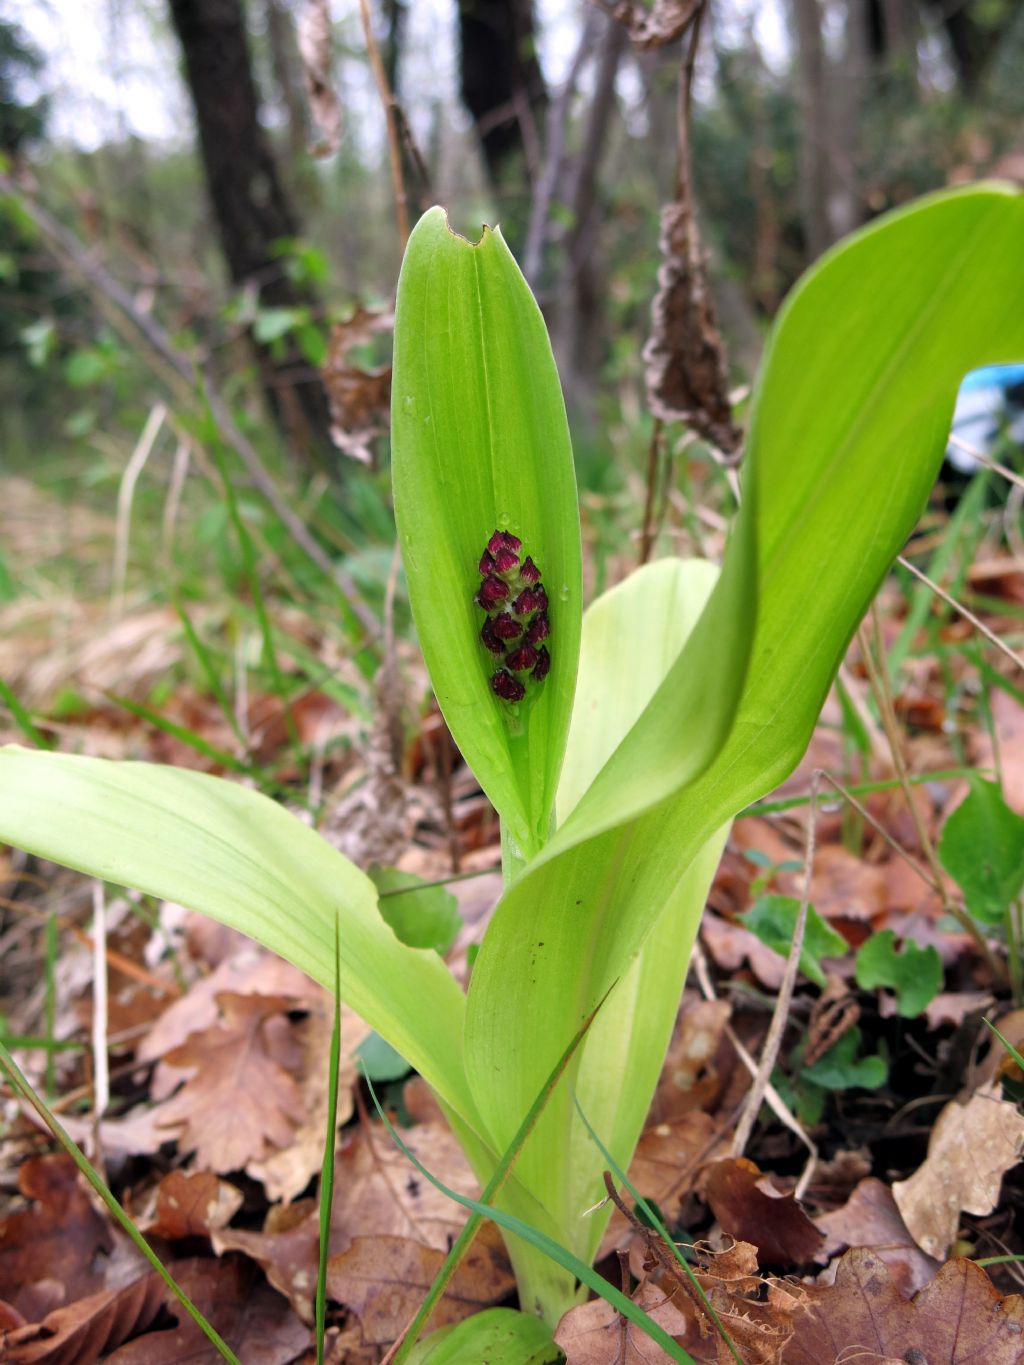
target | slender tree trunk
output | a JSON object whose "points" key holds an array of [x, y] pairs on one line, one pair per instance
{"points": [[503, 88], [814, 112], [249, 204]]}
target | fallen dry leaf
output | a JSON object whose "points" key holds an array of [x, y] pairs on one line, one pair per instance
{"points": [[384, 1280], [971, 1148], [286, 1250], [48, 1251], [758, 1327], [256, 1322], [595, 1333], [242, 1101], [377, 1193], [87, 1330], [958, 1318], [1008, 720], [665, 1166], [698, 1055], [663, 23], [750, 1209], [360, 399], [192, 1205], [870, 1218], [286, 1173]]}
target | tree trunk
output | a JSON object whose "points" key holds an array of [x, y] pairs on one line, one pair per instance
{"points": [[249, 204], [813, 89], [974, 31], [503, 88]]}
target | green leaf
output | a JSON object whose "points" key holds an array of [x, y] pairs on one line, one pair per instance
{"points": [[915, 974], [849, 424], [773, 919], [381, 1061], [237, 856], [272, 324], [982, 849], [421, 914], [631, 638], [500, 1336], [839, 1068], [479, 443]]}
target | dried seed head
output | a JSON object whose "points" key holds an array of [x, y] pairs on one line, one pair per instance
{"points": [[505, 686]]}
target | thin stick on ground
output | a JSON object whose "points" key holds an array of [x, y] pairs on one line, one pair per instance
{"points": [[881, 686], [963, 611], [771, 1096], [780, 1015]]}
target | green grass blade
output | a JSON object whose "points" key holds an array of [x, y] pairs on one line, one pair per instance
{"points": [[21, 1086], [190, 737], [491, 1191], [327, 1167], [211, 673], [1006, 1044], [22, 718], [550, 1248], [651, 1214]]}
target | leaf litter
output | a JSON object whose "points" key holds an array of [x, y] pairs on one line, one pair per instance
{"points": [[215, 1134]]}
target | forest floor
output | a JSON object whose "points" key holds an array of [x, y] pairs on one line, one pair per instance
{"points": [[879, 1195]]}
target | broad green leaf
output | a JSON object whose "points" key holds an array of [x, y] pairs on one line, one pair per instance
{"points": [[500, 1336], [242, 859], [422, 915], [479, 443], [631, 638], [982, 849], [773, 919], [849, 424], [841, 1069], [915, 974]]}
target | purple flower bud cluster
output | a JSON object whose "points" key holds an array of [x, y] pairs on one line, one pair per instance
{"points": [[516, 604]]}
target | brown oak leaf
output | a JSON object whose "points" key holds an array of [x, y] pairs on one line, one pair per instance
{"points": [[958, 1317], [242, 1102], [750, 1209], [384, 1280]]}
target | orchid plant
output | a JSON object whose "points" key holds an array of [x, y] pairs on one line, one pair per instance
{"points": [[616, 744]]}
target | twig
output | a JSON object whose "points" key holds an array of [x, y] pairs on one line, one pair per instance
{"points": [[387, 100], [125, 495], [100, 1059], [771, 1097], [963, 611], [653, 452], [179, 473], [987, 461], [180, 375], [780, 1016], [881, 686]]}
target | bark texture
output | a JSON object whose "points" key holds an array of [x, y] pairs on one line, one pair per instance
{"points": [[249, 205]]}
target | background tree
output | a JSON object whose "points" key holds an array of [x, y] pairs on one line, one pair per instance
{"points": [[249, 204]]}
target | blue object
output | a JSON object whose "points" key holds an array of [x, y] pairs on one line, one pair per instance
{"points": [[990, 401]]}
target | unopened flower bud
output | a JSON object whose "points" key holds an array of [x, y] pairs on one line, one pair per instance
{"points": [[492, 591], [506, 627], [539, 629], [521, 660], [491, 637], [505, 686], [541, 667]]}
